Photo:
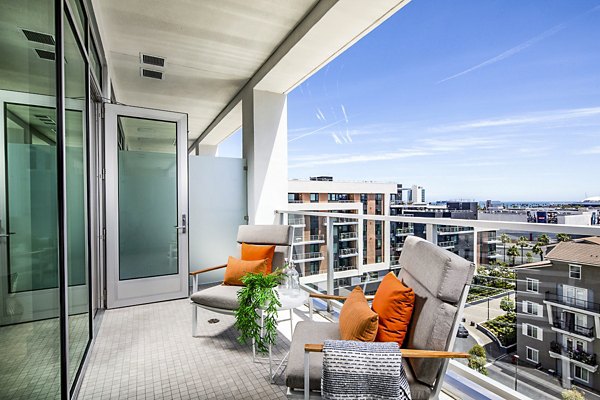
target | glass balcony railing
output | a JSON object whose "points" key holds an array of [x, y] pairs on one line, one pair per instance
{"points": [[304, 257], [496, 279], [309, 238]]}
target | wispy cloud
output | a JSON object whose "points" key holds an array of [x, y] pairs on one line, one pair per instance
{"points": [[335, 159], [522, 119], [315, 131], [590, 151], [519, 48]]}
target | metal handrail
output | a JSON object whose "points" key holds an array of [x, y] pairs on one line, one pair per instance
{"points": [[573, 328], [572, 302], [574, 354]]}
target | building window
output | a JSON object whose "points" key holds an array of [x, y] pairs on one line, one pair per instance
{"points": [[314, 197], [533, 331], [574, 271], [581, 374], [529, 307], [533, 355], [533, 285]]}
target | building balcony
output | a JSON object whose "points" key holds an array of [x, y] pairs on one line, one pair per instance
{"points": [[492, 241], [580, 357], [571, 302], [344, 267], [572, 328], [311, 239], [308, 257], [405, 231], [348, 236], [447, 244], [345, 221], [297, 222], [345, 253], [449, 230], [295, 201]]}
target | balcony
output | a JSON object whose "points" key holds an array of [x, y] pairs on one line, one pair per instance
{"points": [[553, 298], [308, 257], [349, 252], [449, 230], [347, 236], [297, 222], [344, 267], [581, 357], [345, 221], [311, 239], [405, 231], [572, 328], [449, 244]]}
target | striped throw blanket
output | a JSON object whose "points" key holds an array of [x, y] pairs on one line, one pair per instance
{"points": [[362, 370]]}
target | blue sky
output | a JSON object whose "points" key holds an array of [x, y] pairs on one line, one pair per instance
{"points": [[477, 99]]}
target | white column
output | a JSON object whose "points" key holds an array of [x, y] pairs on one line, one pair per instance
{"points": [[264, 144]]}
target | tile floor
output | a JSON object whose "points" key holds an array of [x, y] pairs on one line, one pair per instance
{"points": [[147, 352]]}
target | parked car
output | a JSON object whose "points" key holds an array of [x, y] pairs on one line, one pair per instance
{"points": [[462, 332]]}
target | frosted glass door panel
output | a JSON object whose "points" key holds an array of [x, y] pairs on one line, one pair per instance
{"points": [[148, 240], [217, 209]]}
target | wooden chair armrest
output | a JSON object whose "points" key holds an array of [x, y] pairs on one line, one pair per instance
{"points": [[333, 297], [200, 271], [406, 353]]}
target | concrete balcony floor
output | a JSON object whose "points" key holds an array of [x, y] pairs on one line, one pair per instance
{"points": [[147, 352]]}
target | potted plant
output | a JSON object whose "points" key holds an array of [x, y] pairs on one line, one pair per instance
{"points": [[258, 294]]}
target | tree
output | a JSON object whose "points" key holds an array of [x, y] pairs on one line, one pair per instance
{"points": [[478, 359], [522, 242], [507, 305], [504, 238], [537, 249], [573, 394], [563, 237], [529, 256], [513, 252], [543, 240]]}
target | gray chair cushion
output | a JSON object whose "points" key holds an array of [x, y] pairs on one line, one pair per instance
{"points": [[429, 329], [221, 296], [308, 332], [279, 235], [418, 390], [446, 283]]}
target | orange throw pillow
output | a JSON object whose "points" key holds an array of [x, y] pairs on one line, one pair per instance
{"points": [[237, 268], [394, 303], [357, 320], [251, 252]]}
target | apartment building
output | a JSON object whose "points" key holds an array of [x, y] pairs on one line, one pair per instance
{"points": [[558, 314], [353, 245]]}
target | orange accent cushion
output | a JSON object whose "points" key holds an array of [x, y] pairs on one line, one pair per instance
{"points": [[394, 303], [251, 252], [357, 320], [237, 268]]}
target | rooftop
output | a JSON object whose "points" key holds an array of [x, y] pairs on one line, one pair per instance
{"points": [[576, 252]]}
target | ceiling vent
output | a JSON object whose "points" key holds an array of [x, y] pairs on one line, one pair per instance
{"points": [[45, 54], [152, 60], [39, 37], [149, 73]]}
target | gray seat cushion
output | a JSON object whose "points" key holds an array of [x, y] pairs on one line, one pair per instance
{"points": [[308, 332], [222, 296], [278, 235], [418, 390]]}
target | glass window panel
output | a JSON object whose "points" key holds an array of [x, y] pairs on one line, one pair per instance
{"points": [[78, 16], [29, 324], [75, 134], [147, 198], [96, 65]]}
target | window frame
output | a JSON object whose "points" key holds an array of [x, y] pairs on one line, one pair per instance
{"points": [[571, 271], [532, 281], [587, 373], [533, 351]]}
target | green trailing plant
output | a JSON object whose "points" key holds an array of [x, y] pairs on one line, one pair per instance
{"points": [[258, 293]]}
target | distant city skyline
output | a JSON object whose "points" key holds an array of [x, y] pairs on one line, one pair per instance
{"points": [[470, 99]]}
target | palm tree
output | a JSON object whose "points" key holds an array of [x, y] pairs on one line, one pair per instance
{"points": [[543, 240], [513, 252], [522, 242], [504, 238], [537, 249], [529, 256], [563, 237]]}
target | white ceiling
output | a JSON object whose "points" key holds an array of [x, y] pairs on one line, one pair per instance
{"points": [[212, 48]]}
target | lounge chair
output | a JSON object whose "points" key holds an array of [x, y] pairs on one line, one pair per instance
{"points": [[440, 280]]}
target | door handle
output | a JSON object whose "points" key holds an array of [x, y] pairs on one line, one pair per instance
{"points": [[181, 227], [6, 234]]}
